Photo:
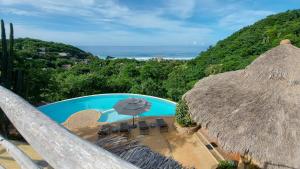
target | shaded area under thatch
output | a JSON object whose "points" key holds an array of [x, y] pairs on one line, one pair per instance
{"points": [[137, 154], [255, 109]]}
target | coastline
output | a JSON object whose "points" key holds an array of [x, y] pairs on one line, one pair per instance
{"points": [[176, 52], [144, 58]]}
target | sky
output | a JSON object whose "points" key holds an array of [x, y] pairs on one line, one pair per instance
{"points": [[136, 22]]}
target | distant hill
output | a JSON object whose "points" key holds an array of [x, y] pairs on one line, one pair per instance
{"points": [[52, 48], [237, 51]]}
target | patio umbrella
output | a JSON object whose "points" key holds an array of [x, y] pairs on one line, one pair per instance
{"points": [[132, 106]]}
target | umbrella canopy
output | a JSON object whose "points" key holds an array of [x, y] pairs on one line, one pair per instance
{"points": [[132, 106], [255, 109]]}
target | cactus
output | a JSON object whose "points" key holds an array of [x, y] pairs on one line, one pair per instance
{"points": [[4, 58], [7, 72], [3, 118], [10, 58], [7, 67]]}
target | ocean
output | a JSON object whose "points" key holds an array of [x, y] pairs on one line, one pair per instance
{"points": [[145, 52]]}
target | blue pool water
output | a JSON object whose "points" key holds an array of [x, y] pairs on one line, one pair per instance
{"points": [[61, 111]]}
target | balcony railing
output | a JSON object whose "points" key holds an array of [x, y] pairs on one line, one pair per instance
{"points": [[59, 147]]}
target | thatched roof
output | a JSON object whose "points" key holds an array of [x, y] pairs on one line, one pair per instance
{"points": [[257, 108], [137, 154]]}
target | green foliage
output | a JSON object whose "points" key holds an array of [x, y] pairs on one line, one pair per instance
{"points": [[213, 69], [237, 51], [226, 165], [111, 76], [48, 80], [149, 87], [52, 49], [182, 115]]}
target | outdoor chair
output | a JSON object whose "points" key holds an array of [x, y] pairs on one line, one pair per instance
{"points": [[144, 128], [124, 127], [163, 126], [153, 125]]}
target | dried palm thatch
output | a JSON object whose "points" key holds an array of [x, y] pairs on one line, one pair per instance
{"points": [[137, 154], [255, 109]]}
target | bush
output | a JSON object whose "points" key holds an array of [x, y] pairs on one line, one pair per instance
{"points": [[227, 165], [182, 115]]}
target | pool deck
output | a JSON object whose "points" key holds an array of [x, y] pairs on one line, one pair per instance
{"points": [[187, 149], [9, 163]]}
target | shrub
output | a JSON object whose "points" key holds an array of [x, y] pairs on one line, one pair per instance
{"points": [[227, 165], [213, 69], [182, 115]]}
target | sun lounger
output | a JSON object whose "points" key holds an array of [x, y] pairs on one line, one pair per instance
{"points": [[104, 130], [124, 128], [163, 126], [153, 125], [144, 128]]}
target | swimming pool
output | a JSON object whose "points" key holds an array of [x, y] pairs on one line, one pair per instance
{"points": [[62, 110]]}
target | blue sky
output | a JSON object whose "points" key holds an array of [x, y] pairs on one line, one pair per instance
{"points": [[136, 22]]}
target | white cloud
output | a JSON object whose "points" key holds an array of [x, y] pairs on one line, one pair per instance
{"points": [[103, 10], [112, 12], [116, 37], [182, 8], [18, 11], [232, 14], [118, 19]]}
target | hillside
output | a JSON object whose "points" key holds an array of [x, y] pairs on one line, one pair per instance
{"points": [[237, 51], [39, 46], [39, 61], [55, 71], [48, 54]]}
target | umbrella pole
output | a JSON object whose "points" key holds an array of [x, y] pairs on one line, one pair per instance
{"points": [[132, 121], [133, 125]]}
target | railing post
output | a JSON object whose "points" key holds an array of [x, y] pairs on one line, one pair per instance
{"points": [[22, 159], [60, 148]]}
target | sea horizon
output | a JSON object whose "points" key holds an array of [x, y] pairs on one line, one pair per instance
{"points": [[145, 52]]}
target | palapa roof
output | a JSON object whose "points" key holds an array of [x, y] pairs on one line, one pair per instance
{"points": [[257, 108], [141, 156]]}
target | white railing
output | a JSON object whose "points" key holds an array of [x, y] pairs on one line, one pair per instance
{"points": [[22, 159], [59, 147]]}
